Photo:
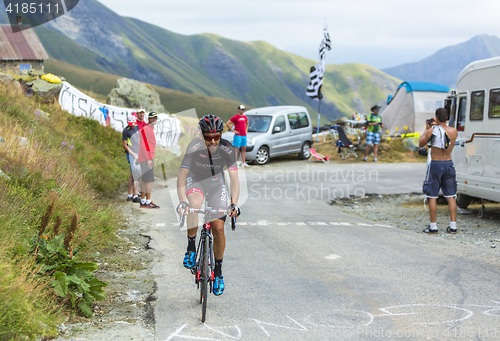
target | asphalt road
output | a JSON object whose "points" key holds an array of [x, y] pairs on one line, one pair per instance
{"points": [[298, 268]]}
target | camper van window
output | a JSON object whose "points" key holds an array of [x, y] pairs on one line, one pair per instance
{"points": [[477, 105], [462, 106], [494, 108], [453, 112]]}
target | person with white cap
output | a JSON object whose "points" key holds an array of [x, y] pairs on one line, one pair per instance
{"points": [[130, 140], [238, 124]]}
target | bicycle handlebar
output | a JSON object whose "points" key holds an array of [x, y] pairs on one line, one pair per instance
{"points": [[203, 211]]}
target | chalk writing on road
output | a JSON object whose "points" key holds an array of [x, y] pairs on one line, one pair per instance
{"points": [[419, 315]]}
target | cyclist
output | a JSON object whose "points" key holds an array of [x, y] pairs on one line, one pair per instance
{"points": [[202, 175]]}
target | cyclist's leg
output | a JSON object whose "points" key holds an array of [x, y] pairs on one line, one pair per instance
{"points": [[219, 238], [194, 195], [217, 199]]}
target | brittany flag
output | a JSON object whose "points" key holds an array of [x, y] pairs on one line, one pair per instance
{"points": [[316, 72]]}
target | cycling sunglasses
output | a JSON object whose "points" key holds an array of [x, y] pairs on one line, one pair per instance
{"points": [[210, 137]]}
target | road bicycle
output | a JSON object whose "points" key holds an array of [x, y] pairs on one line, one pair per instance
{"points": [[204, 266]]}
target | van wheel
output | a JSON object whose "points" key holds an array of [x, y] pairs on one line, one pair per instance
{"points": [[463, 200], [262, 156], [305, 152]]}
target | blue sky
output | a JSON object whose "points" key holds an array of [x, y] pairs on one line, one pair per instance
{"points": [[380, 33]]}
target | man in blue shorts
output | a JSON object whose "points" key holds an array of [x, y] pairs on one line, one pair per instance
{"points": [[373, 133], [440, 171], [238, 124], [130, 140]]}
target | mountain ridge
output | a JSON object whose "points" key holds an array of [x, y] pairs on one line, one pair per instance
{"points": [[255, 73], [445, 65]]}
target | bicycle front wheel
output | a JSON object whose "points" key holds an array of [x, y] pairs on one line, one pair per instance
{"points": [[205, 280]]}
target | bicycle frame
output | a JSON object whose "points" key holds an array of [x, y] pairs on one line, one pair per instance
{"points": [[206, 232], [204, 263]]}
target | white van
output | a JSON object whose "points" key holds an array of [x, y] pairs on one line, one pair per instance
{"points": [[474, 109], [275, 131]]}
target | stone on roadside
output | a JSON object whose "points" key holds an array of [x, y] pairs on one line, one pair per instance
{"points": [[129, 93], [411, 144], [10, 81], [46, 91], [41, 114]]}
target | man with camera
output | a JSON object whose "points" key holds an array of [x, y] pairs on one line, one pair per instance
{"points": [[440, 171]]}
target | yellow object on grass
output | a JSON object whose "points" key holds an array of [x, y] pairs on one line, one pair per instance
{"points": [[51, 78]]}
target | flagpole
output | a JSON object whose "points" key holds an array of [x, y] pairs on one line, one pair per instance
{"points": [[319, 114]]}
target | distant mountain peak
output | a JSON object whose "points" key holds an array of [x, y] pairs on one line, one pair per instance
{"points": [[445, 65]]}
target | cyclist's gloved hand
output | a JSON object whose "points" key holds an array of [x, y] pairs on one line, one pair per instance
{"points": [[233, 209], [184, 206]]}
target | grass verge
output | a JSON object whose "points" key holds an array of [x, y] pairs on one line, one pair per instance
{"points": [[49, 156]]}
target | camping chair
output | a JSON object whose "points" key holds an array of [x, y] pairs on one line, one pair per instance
{"points": [[346, 147], [315, 155]]}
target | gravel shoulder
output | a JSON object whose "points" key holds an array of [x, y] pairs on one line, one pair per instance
{"points": [[126, 313], [407, 212]]}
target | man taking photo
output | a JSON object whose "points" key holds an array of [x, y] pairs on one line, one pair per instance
{"points": [[440, 171]]}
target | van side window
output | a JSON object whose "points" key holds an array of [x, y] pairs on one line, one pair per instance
{"points": [[304, 121], [280, 122], [477, 105], [494, 108], [462, 106], [298, 121]]}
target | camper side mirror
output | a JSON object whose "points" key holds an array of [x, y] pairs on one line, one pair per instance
{"points": [[276, 130]]}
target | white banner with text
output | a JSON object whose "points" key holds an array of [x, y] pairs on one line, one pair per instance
{"points": [[167, 129]]}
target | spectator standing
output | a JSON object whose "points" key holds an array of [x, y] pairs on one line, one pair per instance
{"points": [[373, 133], [130, 141], [140, 118], [146, 156], [238, 124], [440, 171]]}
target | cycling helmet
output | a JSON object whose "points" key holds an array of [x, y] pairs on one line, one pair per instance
{"points": [[211, 124]]}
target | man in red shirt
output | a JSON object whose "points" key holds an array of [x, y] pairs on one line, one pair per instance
{"points": [[238, 124], [140, 118], [146, 155]]}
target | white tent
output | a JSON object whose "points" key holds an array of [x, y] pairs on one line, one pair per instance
{"points": [[413, 103]]}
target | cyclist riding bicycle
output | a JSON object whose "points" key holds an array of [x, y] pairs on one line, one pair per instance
{"points": [[202, 175]]}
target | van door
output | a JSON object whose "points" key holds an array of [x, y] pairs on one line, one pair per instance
{"points": [[459, 151], [280, 137], [300, 131]]}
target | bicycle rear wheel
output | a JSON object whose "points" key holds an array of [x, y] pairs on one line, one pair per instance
{"points": [[205, 280]]}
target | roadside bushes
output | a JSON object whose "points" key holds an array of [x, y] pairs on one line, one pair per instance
{"points": [[53, 164]]}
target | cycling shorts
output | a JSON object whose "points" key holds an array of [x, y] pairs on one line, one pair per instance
{"points": [[212, 189]]}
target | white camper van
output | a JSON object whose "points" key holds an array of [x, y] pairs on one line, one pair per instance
{"points": [[474, 109]]}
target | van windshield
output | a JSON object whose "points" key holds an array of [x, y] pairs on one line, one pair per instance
{"points": [[258, 123]]}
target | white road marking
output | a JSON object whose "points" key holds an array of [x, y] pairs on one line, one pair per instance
{"points": [[298, 223], [160, 224], [332, 257]]}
